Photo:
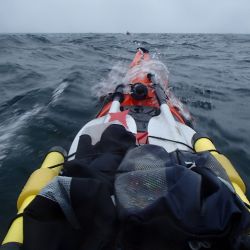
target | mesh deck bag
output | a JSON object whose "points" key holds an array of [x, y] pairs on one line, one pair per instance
{"points": [[176, 201]]}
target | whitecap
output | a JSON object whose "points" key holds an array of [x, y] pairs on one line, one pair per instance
{"points": [[10, 128], [58, 92]]}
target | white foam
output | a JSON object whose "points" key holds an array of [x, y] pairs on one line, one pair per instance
{"points": [[115, 77], [155, 67], [121, 74], [58, 92], [9, 129]]}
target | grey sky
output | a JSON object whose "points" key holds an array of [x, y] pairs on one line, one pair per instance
{"points": [[210, 16]]}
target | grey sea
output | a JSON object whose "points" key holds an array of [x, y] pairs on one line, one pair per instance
{"points": [[49, 87]]}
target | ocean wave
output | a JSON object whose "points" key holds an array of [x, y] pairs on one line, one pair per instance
{"points": [[190, 45], [77, 41], [10, 102], [201, 104], [10, 68], [10, 40], [242, 91], [73, 76], [30, 75], [58, 92], [11, 127], [141, 43], [19, 103], [38, 38]]}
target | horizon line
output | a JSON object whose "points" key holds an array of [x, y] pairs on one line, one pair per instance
{"points": [[130, 33]]}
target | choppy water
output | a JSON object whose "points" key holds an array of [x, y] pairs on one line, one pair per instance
{"points": [[47, 82]]}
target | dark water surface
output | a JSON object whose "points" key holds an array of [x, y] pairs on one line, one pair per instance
{"points": [[46, 97]]}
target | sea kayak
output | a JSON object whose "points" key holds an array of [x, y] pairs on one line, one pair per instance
{"points": [[138, 176]]}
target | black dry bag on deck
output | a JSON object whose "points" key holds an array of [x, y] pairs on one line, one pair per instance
{"points": [[163, 205]]}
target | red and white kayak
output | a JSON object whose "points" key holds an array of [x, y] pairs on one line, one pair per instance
{"points": [[141, 104]]}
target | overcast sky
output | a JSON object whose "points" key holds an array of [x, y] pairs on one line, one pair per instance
{"points": [[178, 16]]}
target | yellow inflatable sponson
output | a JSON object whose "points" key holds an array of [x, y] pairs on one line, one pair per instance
{"points": [[205, 144], [38, 180]]}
